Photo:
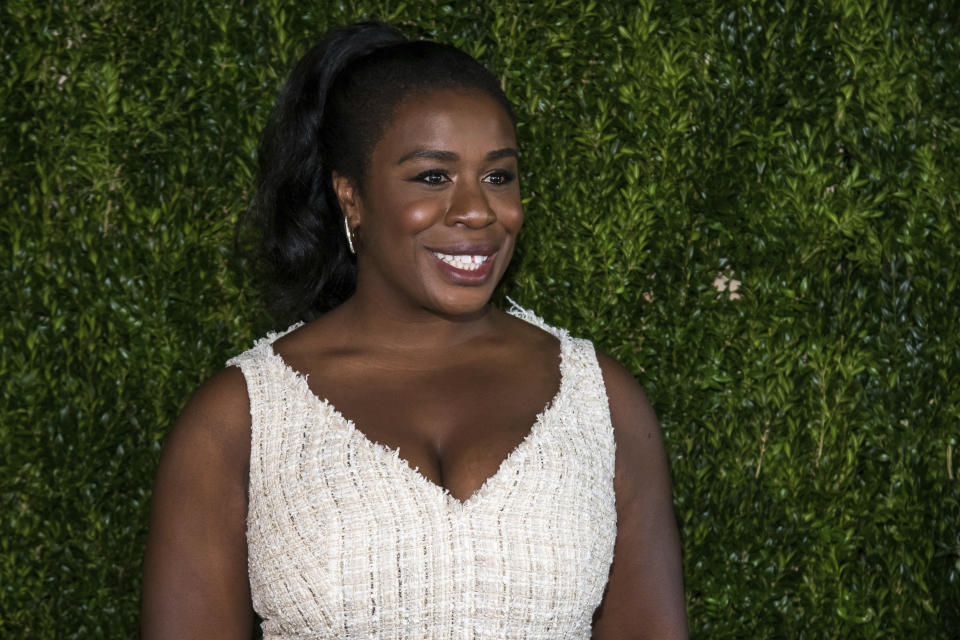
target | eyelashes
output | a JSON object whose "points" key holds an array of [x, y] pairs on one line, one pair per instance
{"points": [[431, 177], [501, 177], [437, 177]]}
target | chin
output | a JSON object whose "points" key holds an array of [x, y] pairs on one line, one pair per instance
{"points": [[464, 303]]}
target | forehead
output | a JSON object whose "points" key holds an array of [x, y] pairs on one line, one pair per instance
{"points": [[449, 120]]}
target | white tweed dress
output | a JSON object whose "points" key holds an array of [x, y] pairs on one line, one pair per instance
{"points": [[346, 540]]}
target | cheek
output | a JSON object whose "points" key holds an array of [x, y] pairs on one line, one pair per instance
{"points": [[518, 220], [419, 216], [511, 214], [395, 227], [413, 216]]}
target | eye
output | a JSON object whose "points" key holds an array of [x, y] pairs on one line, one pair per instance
{"points": [[432, 177], [500, 178]]}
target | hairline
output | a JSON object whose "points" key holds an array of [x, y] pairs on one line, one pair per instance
{"points": [[419, 91]]}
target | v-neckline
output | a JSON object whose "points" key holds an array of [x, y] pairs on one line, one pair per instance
{"points": [[393, 453]]}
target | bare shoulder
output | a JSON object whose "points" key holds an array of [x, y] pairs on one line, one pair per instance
{"points": [[194, 580], [641, 458], [632, 415], [225, 391], [217, 416], [644, 597], [207, 451]]}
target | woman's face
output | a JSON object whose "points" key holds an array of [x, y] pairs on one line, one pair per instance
{"points": [[440, 208]]}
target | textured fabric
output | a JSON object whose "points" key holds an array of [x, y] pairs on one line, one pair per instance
{"points": [[346, 540]]}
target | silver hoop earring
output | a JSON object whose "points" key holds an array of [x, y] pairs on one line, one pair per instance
{"points": [[346, 228]]}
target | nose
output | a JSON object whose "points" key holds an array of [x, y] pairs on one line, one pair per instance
{"points": [[470, 207]]}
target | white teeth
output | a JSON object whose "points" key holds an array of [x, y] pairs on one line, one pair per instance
{"points": [[467, 263]]}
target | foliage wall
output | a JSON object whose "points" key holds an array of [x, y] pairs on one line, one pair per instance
{"points": [[752, 205]]}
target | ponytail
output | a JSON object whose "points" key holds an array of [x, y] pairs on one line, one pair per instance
{"points": [[303, 252]]}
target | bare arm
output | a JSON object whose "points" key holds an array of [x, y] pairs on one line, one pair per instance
{"points": [[195, 571], [644, 597]]}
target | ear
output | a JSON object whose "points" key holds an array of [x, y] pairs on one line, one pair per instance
{"points": [[347, 197]]}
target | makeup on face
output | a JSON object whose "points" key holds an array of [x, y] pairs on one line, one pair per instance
{"points": [[441, 205]]}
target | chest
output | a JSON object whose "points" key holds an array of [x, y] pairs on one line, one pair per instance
{"points": [[348, 540], [454, 423]]}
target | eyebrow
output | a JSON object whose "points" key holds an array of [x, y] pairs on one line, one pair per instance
{"points": [[450, 156]]}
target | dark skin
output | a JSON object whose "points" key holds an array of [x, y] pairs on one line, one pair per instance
{"points": [[458, 383]]}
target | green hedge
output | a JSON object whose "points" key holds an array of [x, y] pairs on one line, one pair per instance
{"points": [[752, 205]]}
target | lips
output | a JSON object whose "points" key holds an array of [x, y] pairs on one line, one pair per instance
{"points": [[466, 264]]}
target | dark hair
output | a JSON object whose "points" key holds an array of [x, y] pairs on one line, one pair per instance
{"points": [[330, 115]]}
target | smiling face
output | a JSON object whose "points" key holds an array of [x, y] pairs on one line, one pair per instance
{"points": [[440, 207]]}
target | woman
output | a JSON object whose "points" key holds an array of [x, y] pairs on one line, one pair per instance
{"points": [[411, 462]]}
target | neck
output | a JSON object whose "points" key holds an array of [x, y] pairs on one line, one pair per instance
{"points": [[400, 329]]}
